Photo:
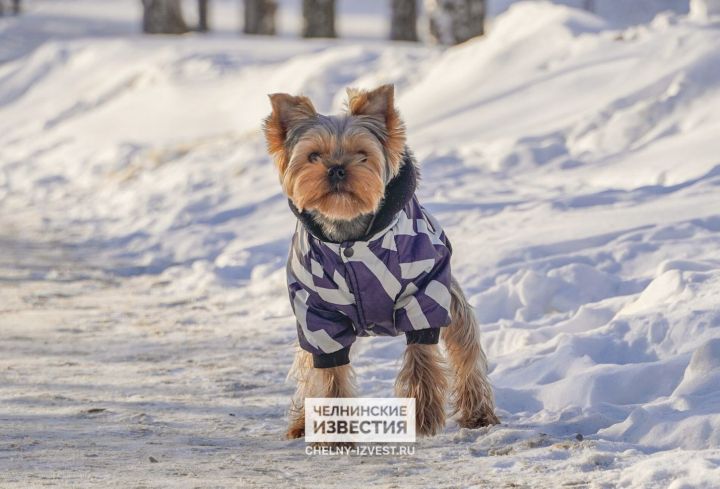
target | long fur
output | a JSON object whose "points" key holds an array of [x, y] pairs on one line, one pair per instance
{"points": [[472, 394], [369, 143], [315, 382], [381, 103], [424, 377]]}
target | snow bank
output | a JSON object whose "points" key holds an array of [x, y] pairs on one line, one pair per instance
{"points": [[620, 13]]}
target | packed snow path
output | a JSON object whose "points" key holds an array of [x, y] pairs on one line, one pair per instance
{"points": [[114, 382]]}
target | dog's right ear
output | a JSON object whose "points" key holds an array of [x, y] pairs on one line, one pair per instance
{"points": [[287, 110]]}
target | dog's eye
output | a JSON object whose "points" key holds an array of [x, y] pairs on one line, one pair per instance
{"points": [[314, 157]]}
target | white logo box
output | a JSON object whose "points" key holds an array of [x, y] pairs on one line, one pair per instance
{"points": [[360, 419]]}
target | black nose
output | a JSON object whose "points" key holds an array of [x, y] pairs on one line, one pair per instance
{"points": [[336, 174]]}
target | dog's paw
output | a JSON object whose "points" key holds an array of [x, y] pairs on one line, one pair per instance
{"points": [[295, 432], [479, 421]]}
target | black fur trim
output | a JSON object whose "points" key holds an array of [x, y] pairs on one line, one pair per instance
{"points": [[398, 192], [329, 360], [428, 336]]}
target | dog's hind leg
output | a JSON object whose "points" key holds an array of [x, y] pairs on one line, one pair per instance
{"points": [[472, 393], [315, 382], [424, 377]]}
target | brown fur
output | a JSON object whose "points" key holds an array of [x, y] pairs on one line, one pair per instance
{"points": [[471, 392], [347, 141], [315, 382], [368, 142], [309, 188], [423, 377], [381, 103], [287, 110]]}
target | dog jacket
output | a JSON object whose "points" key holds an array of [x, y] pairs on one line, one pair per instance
{"points": [[395, 280]]}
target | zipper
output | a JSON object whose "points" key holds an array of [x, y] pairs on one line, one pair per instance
{"points": [[355, 289]]}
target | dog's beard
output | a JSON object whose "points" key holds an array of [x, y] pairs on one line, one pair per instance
{"points": [[358, 196]]}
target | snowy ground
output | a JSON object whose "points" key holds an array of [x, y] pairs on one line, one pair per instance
{"points": [[573, 162]]}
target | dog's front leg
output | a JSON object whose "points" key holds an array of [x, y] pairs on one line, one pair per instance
{"points": [[423, 376], [316, 382], [300, 372]]}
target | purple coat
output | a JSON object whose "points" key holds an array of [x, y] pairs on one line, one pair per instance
{"points": [[397, 280]]}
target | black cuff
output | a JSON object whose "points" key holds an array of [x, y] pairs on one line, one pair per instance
{"points": [[427, 336], [334, 359]]}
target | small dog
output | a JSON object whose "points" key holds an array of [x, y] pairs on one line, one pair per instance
{"points": [[367, 259]]}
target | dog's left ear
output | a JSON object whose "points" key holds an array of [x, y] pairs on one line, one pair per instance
{"points": [[381, 103]]}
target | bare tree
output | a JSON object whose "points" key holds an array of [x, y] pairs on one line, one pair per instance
{"points": [[203, 24], [456, 21], [318, 18], [589, 5], [163, 17], [705, 10], [403, 26], [15, 7], [260, 17]]}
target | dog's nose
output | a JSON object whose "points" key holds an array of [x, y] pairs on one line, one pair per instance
{"points": [[336, 174]]}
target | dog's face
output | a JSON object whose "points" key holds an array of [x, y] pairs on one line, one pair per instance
{"points": [[337, 166]]}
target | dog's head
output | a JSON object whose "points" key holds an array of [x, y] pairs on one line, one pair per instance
{"points": [[337, 166]]}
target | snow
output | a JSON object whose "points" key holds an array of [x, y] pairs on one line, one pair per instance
{"points": [[571, 159], [621, 13]]}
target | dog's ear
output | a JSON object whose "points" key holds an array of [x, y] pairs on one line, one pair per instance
{"points": [[381, 103], [287, 110]]}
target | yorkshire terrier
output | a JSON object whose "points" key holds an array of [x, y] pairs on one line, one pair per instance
{"points": [[367, 259]]}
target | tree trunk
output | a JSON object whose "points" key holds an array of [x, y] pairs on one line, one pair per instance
{"points": [[260, 17], [705, 10], [16, 7], [203, 25], [163, 17], [404, 20], [589, 5], [456, 21], [318, 18]]}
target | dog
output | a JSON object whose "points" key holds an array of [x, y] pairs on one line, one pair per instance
{"points": [[368, 259]]}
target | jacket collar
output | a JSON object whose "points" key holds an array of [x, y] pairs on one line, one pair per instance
{"points": [[398, 192]]}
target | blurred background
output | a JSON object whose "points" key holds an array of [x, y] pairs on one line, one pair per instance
{"points": [[442, 21]]}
